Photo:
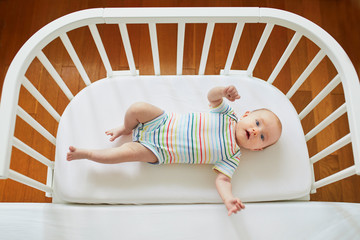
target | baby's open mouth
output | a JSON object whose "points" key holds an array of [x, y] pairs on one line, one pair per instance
{"points": [[247, 134]]}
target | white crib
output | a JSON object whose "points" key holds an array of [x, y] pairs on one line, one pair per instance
{"points": [[286, 175]]}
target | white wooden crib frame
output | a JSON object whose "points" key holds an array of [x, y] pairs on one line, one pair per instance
{"points": [[15, 77]]}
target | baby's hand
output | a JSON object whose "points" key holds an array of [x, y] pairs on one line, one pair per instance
{"points": [[231, 93], [234, 205]]}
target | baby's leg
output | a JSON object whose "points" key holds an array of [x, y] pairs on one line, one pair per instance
{"points": [[128, 152], [139, 112]]}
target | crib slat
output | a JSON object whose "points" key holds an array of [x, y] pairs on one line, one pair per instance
{"points": [[206, 47], [350, 171], [260, 47], [127, 46], [74, 57], [154, 48], [180, 48], [29, 181], [100, 47], [54, 74], [32, 153], [313, 64], [332, 148], [37, 126], [326, 122], [234, 45], [336, 81], [37, 95], [49, 181], [289, 49]]}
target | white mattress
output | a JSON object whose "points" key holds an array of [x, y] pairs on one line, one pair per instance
{"points": [[280, 221], [280, 172]]}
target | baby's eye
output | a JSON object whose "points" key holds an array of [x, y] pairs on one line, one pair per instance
{"points": [[262, 137], [257, 122]]}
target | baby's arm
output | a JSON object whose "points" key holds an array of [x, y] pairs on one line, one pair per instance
{"points": [[223, 186], [216, 95]]}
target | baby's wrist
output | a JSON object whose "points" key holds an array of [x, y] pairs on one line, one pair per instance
{"points": [[223, 92], [228, 199]]}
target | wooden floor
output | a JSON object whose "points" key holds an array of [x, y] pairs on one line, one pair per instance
{"points": [[19, 19]]}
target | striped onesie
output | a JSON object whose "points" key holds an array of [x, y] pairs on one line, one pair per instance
{"points": [[194, 138]]}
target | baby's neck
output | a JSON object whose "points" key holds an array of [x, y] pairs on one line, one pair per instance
{"points": [[236, 138]]}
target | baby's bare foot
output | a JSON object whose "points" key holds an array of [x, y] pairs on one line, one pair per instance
{"points": [[117, 132], [76, 153]]}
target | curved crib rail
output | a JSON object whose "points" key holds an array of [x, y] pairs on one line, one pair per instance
{"points": [[15, 77]]}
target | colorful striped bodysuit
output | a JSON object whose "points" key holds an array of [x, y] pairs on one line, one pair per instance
{"points": [[194, 138]]}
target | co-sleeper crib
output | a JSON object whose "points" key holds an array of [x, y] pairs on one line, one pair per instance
{"points": [[281, 172]]}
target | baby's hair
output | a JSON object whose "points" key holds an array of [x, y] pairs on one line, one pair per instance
{"points": [[277, 119]]}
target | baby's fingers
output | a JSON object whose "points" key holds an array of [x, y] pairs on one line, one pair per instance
{"points": [[233, 98], [234, 210], [232, 93], [231, 90], [240, 204], [231, 211], [109, 133]]}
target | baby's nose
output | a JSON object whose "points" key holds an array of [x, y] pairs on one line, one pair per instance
{"points": [[255, 131]]}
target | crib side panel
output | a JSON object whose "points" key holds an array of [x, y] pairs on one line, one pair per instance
{"points": [[181, 17], [15, 78], [346, 76], [338, 57]]}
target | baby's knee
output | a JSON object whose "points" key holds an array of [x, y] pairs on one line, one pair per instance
{"points": [[138, 107], [143, 112]]}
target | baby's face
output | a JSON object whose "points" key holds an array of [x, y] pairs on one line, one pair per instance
{"points": [[257, 130]]}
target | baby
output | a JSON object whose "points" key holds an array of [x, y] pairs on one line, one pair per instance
{"points": [[197, 138]]}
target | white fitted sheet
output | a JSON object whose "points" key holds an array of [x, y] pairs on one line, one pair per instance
{"points": [[280, 221], [280, 172]]}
